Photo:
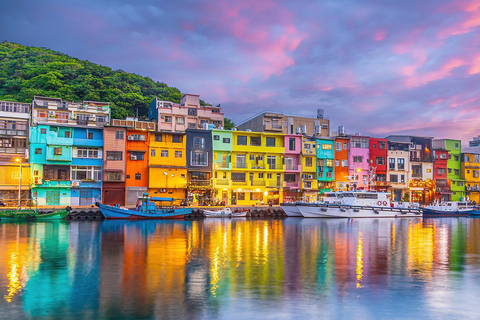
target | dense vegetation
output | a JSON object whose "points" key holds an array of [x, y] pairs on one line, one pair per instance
{"points": [[29, 71]]}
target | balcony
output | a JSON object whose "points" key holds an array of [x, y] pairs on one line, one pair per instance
{"points": [[272, 127], [55, 184], [222, 182], [238, 183], [472, 165], [273, 184], [22, 133], [293, 168], [221, 165], [240, 165], [293, 185], [86, 184], [275, 166], [382, 183], [258, 183], [12, 150], [473, 189], [423, 158], [200, 183], [82, 122]]}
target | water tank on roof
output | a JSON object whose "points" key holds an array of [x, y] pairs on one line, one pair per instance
{"points": [[320, 113], [341, 130]]}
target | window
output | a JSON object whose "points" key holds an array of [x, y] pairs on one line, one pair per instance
{"points": [[226, 140], [152, 152], [449, 157], [417, 171], [329, 163], [216, 137], [391, 163], [344, 163], [382, 145], [357, 159], [178, 154], [241, 140], [260, 158], [177, 139], [443, 156], [38, 150], [269, 176], [192, 111], [308, 184], [238, 176], [475, 173], [57, 151], [337, 163], [180, 120], [272, 162], [134, 155], [113, 176], [35, 172], [89, 135], [359, 142], [441, 170], [136, 137], [449, 170], [241, 196], [290, 178], [393, 178], [158, 137], [43, 130], [306, 146], [114, 155], [260, 176], [308, 161], [401, 163], [460, 184], [380, 160], [164, 153], [291, 144], [374, 146], [199, 158], [86, 173], [67, 134], [255, 141], [456, 145], [241, 161], [91, 153], [326, 146], [270, 142], [402, 178], [345, 146], [457, 172], [198, 143], [338, 146], [138, 176], [456, 157], [252, 157], [168, 119]]}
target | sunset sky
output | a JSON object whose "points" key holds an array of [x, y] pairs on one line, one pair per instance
{"points": [[376, 67]]}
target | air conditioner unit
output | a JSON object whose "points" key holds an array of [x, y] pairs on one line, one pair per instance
{"points": [[310, 176], [130, 138], [162, 117], [133, 157], [75, 183], [163, 190]]}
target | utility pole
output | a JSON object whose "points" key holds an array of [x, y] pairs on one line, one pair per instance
{"points": [[19, 183]]}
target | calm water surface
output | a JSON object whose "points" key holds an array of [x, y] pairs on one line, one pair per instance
{"points": [[241, 269]]}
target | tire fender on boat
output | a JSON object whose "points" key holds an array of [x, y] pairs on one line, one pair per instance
{"points": [[379, 203]]}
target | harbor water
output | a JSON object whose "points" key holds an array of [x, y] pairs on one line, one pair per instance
{"points": [[241, 269]]}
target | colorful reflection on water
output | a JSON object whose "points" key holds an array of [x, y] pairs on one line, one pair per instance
{"points": [[366, 268]]}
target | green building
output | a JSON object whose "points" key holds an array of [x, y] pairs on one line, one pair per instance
{"points": [[454, 165]]}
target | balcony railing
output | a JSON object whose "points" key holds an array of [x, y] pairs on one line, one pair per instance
{"points": [[474, 189], [82, 122], [236, 183], [258, 183], [12, 150], [240, 165], [292, 167], [275, 166], [200, 183], [273, 184], [421, 158], [295, 184], [222, 182], [13, 132]]}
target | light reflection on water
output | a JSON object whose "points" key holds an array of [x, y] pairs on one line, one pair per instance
{"points": [[309, 268]]}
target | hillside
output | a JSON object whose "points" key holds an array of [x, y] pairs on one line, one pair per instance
{"points": [[29, 71]]}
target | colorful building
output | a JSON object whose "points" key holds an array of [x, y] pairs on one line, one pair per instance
{"points": [[454, 165], [114, 162], [309, 181], [342, 181], [137, 148], [398, 159], [222, 165], [378, 163], [325, 164], [442, 185], [292, 187], [188, 114], [471, 174], [359, 162], [199, 167], [257, 168], [14, 155], [167, 165]]}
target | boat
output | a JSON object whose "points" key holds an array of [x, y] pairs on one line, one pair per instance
{"points": [[359, 204], [292, 210], [223, 213], [240, 213], [148, 208], [449, 209], [33, 214]]}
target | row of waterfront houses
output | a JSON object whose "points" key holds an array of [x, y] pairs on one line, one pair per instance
{"points": [[57, 152]]}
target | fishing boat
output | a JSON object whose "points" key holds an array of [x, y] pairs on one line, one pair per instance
{"points": [[223, 213], [359, 204], [292, 209], [240, 213], [449, 209], [147, 208], [32, 214]]}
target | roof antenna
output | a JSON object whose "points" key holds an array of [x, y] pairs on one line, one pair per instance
{"points": [[136, 113]]}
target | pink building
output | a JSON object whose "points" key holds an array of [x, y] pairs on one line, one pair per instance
{"points": [[358, 162], [188, 114], [293, 168]]}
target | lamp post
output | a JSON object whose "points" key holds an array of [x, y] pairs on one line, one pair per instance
{"points": [[19, 182]]}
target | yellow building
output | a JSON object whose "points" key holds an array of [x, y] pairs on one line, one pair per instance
{"points": [[309, 182], [10, 181], [167, 165], [248, 167], [470, 172]]}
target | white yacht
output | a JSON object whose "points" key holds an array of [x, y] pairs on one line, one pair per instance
{"points": [[292, 209], [358, 204]]}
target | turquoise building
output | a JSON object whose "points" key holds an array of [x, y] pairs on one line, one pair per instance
{"points": [[325, 164], [51, 158]]}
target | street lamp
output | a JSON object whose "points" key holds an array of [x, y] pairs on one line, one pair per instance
{"points": [[19, 182]]}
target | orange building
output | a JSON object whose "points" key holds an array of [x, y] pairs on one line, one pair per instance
{"points": [[136, 172], [341, 163]]}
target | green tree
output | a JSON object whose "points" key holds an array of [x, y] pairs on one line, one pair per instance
{"points": [[228, 124]]}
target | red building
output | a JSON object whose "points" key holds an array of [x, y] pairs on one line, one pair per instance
{"points": [[442, 187], [378, 162]]}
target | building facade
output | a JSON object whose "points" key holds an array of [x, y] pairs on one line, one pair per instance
{"points": [[188, 114], [114, 163], [398, 159], [14, 153], [309, 181], [325, 164], [199, 167], [454, 166], [378, 163], [359, 162], [274, 122], [442, 185], [222, 165], [342, 177], [471, 174]]}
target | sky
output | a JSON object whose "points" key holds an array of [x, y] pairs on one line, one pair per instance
{"points": [[377, 67]]}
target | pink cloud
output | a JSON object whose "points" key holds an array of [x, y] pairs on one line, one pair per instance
{"points": [[379, 35], [444, 72]]}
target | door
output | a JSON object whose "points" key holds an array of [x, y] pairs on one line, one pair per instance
{"points": [[53, 198], [289, 163], [234, 198], [86, 197], [279, 180]]}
